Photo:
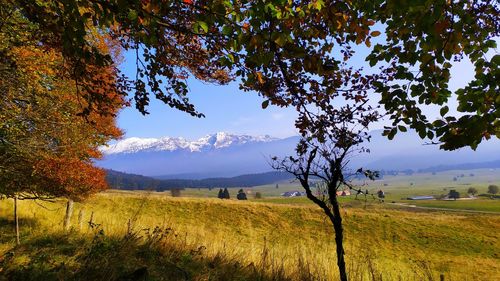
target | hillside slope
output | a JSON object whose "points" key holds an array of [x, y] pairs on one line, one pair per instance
{"points": [[119, 180], [231, 239]]}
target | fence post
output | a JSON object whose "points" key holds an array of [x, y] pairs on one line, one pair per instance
{"points": [[91, 220], [80, 219], [129, 227], [69, 212]]}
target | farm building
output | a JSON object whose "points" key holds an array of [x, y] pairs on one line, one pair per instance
{"points": [[345, 192], [424, 197], [293, 193]]}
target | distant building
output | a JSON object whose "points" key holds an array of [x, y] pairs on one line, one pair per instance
{"points": [[345, 192], [293, 193], [424, 197], [381, 194]]}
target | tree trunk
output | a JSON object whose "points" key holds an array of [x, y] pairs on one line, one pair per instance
{"points": [[339, 237], [69, 212], [16, 219]]}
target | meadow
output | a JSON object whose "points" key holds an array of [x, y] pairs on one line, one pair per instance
{"points": [[152, 236], [397, 189]]}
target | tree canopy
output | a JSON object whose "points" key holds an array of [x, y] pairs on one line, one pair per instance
{"points": [[296, 53], [47, 148]]}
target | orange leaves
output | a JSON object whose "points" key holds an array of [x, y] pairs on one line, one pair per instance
{"points": [[51, 146], [441, 26], [71, 177], [246, 26]]}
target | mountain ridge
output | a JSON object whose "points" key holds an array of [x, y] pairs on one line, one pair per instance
{"points": [[210, 141], [228, 155]]}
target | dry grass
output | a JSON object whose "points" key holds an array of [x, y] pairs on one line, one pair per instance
{"points": [[212, 239]]}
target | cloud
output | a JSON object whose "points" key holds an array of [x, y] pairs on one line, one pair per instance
{"points": [[277, 116]]}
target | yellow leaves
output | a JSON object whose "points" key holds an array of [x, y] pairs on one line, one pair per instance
{"points": [[368, 43], [260, 77], [359, 39], [338, 24]]}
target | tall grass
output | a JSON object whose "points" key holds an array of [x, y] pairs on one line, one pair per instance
{"points": [[212, 239]]}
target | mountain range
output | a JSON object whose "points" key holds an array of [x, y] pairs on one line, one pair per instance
{"points": [[228, 155]]}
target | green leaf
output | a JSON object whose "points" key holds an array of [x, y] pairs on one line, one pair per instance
{"points": [[227, 30], [281, 40], [265, 104], [438, 123], [203, 25], [430, 134], [402, 128], [132, 15], [422, 134], [444, 110]]}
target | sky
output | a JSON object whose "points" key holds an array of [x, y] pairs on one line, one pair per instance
{"points": [[228, 109]]}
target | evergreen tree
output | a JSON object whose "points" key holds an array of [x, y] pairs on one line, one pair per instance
{"points": [[454, 194], [221, 194], [241, 195], [225, 194]]}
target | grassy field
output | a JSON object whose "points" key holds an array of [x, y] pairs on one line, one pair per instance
{"points": [[212, 239], [486, 205], [396, 188]]}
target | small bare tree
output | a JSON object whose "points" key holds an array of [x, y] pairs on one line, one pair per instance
{"points": [[329, 138]]}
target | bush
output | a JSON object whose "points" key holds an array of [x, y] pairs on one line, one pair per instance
{"points": [[472, 191], [241, 195], [258, 195], [175, 192], [454, 194], [493, 189]]}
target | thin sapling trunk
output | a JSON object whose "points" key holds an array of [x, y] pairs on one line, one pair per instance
{"points": [[16, 221]]}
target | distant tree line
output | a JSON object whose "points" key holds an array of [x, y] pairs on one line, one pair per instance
{"points": [[466, 166], [119, 180]]}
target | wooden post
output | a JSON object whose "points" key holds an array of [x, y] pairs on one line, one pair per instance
{"points": [[129, 227], [80, 219], [69, 212], [91, 220], [16, 219], [441, 277]]}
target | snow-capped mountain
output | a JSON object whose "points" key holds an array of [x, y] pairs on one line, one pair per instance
{"points": [[212, 141], [220, 154], [225, 155]]}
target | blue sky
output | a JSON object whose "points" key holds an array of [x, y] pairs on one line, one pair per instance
{"points": [[226, 109], [231, 110]]}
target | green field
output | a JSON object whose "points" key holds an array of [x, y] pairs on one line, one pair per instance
{"points": [[397, 189], [213, 239], [486, 205]]}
